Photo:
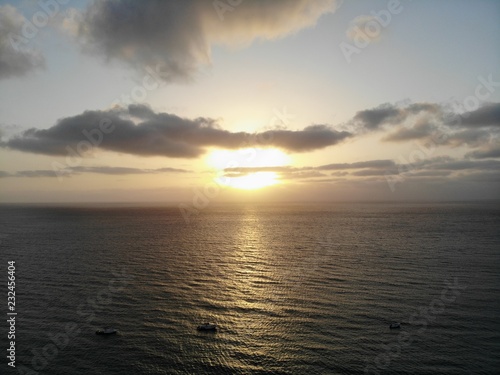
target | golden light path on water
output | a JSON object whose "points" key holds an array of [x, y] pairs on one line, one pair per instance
{"points": [[221, 160]]}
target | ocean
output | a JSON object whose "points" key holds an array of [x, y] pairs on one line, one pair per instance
{"points": [[293, 288]]}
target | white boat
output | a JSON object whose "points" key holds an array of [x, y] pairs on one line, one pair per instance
{"points": [[394, 325], [207, 327], [106, 331]]}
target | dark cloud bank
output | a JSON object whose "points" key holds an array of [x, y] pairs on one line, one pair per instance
{"points": [[140, 131]]}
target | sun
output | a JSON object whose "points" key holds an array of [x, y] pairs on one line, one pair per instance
{"points": [[253, 181], [251, 158]]}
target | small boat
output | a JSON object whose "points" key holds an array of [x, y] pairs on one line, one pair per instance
{"points": [[106, 331], [207, 327], [395, 325]]}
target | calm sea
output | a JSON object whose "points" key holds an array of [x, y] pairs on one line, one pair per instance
{"points": [[294, 289]]}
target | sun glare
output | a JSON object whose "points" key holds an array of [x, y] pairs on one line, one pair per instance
{"points": [[248, 158], [253, 181]]}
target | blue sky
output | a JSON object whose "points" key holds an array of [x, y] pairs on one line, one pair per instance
{"points": [[269, 68]]}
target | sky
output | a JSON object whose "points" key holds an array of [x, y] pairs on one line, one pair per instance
{"points": [[199, 101]]}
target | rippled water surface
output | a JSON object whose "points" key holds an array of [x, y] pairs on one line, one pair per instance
{"points": [[295, 289]]}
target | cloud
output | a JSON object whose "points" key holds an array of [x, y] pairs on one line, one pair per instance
{"points": [[247, 170], [371, 119], [99, 170], [455, 165], [177, 36], [339, 174], [480, 176], [138, 130], [34, 174], [126, 170], [380, 164], [298, 175], [365, 168], [8, 129], [390, 114], [313, 137], [15, 61], [432, 124], [485, 116], [447, 172], [437, 169], [442, 170], [470, 137], [289, 173], [430, 173], [490, 151], [374, 172], [418, 131]]}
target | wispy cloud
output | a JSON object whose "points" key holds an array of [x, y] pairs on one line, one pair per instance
{"points": [[99, 170], [357, 165], [490, 151], [455, 165], [433, 167]]}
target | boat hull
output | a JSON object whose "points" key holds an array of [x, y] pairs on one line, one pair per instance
{"points": [[210, 327]]}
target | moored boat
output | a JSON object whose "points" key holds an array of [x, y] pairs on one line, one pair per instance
{"points": [[207, 327], [106, 331]]}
